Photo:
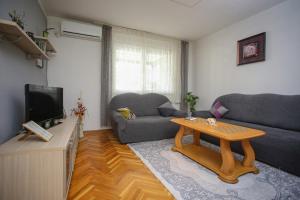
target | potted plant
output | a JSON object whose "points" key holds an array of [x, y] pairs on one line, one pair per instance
{"points": [[191, 101], [46, 33], [18, 18]]}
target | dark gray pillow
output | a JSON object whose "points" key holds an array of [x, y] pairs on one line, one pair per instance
{"points": [[166, 109], [179, 113]]}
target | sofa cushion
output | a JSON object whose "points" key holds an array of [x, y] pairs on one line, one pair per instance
{"points": [[142, 122], [218, 110], [166, 109], [203, 114], [281, 111], [147, 128], [141, 105], [279, 148]]}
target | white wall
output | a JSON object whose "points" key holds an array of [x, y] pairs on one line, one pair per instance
{"points": [[215, 70], [76, 68]]}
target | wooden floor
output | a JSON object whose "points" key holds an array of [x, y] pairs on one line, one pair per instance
{"points": [[106, 169]]}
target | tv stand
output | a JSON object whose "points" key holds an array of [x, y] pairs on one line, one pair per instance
{"points": [[32, 169]]}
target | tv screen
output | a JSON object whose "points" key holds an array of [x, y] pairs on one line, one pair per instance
{"points": [[43, 103]]}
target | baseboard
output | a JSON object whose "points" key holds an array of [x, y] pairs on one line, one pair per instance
{"points": [[105, 128], [98, 130]]}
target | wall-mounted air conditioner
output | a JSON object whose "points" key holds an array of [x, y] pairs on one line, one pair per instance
{"points": [[81, 30]]}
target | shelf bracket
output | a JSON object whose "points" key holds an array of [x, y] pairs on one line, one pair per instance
{"points": [[36, 57]]}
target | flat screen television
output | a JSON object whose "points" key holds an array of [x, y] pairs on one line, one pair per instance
{"points": [[43, 104]]}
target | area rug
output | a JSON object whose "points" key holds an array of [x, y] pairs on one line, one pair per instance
{"points": [[186, 179]]}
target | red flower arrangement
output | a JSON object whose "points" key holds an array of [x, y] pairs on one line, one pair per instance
{"points": [[80, 110]]}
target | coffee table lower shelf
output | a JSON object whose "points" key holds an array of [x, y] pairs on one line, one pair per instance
{"points": [[213, 161]]}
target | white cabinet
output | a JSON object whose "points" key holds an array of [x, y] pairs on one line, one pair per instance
{"points": [[33, 169]]}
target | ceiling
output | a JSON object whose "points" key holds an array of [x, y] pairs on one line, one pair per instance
{"points": [[183, 19]]}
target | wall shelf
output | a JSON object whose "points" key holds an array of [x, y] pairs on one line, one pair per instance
{"points": [[12, 32]]}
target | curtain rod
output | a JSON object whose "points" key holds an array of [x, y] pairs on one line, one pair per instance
{"points": [[101, 23]]}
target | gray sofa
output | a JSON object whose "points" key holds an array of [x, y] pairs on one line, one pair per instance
{"points": [[148, 125], [277, 115]]}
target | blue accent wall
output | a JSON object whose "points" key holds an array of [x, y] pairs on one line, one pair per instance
{"points": [[16, 70]]}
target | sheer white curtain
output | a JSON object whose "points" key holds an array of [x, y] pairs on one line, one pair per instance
{"points": [[144, 62]]}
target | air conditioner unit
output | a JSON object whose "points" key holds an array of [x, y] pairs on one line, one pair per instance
{"points": [[81, 30]]}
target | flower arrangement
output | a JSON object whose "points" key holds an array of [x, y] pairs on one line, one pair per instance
{"points": [[80, 109]]}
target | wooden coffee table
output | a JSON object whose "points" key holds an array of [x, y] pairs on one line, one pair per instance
{"points": [[224, 164]]}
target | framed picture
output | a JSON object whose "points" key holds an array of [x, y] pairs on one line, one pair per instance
{"points": [[251, 49]]}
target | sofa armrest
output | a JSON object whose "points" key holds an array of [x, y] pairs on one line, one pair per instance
{"points": [[118, 119], [204, 114]]}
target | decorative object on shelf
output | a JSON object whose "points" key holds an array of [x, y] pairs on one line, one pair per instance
{"points": [[18, 18], [191, 101], [79, 111], [41, 44], [44, 44], [31, 35], [46, 33], [251, 49]]}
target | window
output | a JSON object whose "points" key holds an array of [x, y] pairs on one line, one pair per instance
{"points": [[144, 62]]}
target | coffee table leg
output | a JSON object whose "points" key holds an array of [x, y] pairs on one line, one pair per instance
{"points": [[228, 163], [249, 157], [178, 137], [196, 139]]}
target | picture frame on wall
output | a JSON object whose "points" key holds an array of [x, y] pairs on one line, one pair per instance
{"points": [[251, 49]]}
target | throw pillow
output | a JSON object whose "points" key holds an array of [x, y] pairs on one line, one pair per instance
{"points": [[179, 113], [126, 113], [218, 110], [166, 109]]}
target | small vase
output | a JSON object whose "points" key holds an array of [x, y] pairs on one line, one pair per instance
{"points": [[81, 135], [189, 113]]}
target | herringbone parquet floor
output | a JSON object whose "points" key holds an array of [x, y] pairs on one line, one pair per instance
{"points": [[108, 170]]}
